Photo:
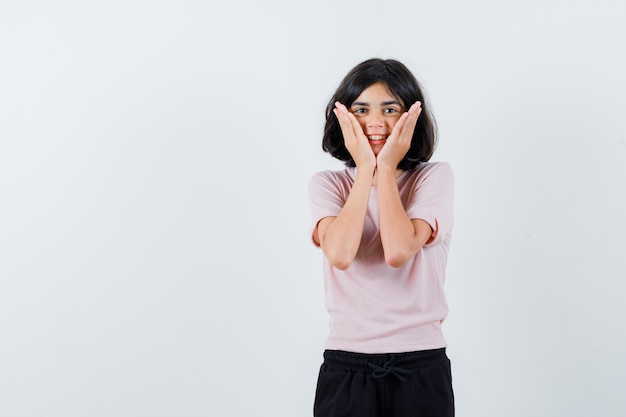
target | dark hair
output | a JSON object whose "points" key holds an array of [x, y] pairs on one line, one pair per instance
{"points": [[404, 87]]}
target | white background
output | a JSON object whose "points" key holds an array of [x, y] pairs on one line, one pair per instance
{"points": [[154, 156]]}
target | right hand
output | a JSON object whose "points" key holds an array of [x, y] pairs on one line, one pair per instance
{"points": [[355, 140]]}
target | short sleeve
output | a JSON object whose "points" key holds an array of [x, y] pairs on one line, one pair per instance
{"points": [[326, 197], [432, 200]]}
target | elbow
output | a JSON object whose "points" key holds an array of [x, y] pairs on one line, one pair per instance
{"points": [[341, 265], [339, 261], [396, 259]]}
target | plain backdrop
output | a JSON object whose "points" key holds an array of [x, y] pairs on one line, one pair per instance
{"points": [[154, 224]]}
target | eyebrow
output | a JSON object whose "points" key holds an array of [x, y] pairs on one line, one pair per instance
{"points": [[384, 103]]}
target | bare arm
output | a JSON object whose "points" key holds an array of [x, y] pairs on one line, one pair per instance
{"points": [[340, 236], [401, 237]]}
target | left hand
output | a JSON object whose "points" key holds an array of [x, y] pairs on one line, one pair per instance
{"points": [[399, 142]]}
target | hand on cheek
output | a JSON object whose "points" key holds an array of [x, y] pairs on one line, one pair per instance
{"points": [[355, 140], [399, 142]]}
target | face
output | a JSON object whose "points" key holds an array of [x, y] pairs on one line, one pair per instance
{"points": [[377, 112]]}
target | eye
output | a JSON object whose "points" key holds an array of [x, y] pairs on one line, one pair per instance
{"points": [[359, 111], [391, 111]]}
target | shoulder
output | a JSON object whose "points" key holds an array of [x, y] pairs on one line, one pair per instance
{"points": [[341, 178], [439, 166], [433, 171]]}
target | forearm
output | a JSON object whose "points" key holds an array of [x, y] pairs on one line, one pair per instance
{"points": [[398, 234], [342, 238]]}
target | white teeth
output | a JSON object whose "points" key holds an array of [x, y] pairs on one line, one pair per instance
{"points": [[376, 137]]}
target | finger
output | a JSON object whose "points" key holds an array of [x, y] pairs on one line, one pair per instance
{"points": [[344, 123], [408, 124], [414, 112], [342, 109], [351, 123], [358, 130], [343, 115], [397, 129]]}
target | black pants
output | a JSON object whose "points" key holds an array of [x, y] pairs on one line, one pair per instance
{"points": [[414, 384]]}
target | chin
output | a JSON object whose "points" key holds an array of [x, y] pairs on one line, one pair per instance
{"points": [[377, 148]]}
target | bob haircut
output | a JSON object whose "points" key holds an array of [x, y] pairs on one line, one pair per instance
{"points": [[404, 87]]}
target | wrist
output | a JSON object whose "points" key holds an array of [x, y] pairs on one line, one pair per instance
{"points": [[387, 170], [365, 171]]}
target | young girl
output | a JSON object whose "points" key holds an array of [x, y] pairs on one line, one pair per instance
{"points": [[384, 225]]}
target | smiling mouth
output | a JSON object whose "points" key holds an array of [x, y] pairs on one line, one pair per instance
{"points": [[376, 138]]}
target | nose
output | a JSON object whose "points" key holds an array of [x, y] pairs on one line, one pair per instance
{"points": [[374, 120]]}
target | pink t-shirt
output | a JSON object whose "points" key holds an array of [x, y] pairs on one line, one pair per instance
{"points": [[373, 307]]}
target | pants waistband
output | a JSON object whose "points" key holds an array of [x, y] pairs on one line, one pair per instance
{"points": [[359, 362]]}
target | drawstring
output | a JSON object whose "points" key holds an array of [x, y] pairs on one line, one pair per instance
{"points": [[389, 368]]}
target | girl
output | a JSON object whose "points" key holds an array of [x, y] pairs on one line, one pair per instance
{"points": [[384, 225]]}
